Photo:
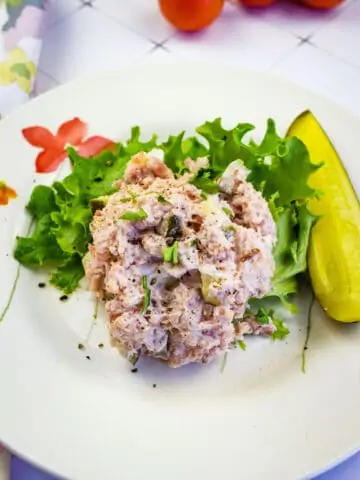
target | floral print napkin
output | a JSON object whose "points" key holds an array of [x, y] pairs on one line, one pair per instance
{"points": [[21, 27], [21, 24]]}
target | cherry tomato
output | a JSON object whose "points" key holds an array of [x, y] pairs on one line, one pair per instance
{"points": [[257, 3], [191, 15], [322, 4]]}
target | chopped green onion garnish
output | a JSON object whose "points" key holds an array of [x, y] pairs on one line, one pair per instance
{"points": [[134, 216], [162, 199], [132, 194], [171, 254], [223, 363], [228, 212], [133, 359], [147, 290]]}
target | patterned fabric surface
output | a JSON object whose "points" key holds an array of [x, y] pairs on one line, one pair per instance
{"points": [[22, 24]]}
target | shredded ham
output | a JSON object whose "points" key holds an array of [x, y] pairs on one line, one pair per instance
{"points": [[224, 246]]}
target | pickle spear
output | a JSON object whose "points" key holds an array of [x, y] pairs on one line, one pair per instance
{"points": [[334, 249]]}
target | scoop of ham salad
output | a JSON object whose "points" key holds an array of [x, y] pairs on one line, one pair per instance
{"points": [[176, 268]]}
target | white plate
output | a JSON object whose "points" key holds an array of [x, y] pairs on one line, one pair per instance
{"points": [[261, 418]]}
